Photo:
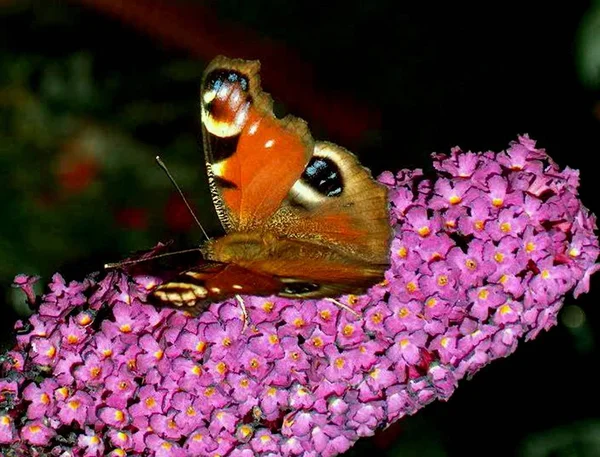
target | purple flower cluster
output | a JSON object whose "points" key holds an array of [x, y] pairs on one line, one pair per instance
{"points": [[483, 255]]}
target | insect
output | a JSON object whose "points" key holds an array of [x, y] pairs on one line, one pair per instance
{"points": [[302, 218]]}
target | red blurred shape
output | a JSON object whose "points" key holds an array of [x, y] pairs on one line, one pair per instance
{"points": [[132, 218], [177, 215], [76, 175]]}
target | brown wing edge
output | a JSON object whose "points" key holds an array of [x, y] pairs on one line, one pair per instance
{"points": [[263, 102]]}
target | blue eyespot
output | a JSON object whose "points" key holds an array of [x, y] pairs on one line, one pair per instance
{"points": [[324, 176]]}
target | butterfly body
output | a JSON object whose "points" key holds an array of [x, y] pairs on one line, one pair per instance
{"points": [[303, 218]]}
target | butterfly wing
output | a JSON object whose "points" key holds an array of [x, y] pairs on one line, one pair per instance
{"points": [[189, 282], [337, 206], [195, 289], [322, 273], [253, 158], [337, 203], [330, 236]]}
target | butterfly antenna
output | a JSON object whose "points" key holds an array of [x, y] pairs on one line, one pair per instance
{"points": [[162, 165], [126, 263]]}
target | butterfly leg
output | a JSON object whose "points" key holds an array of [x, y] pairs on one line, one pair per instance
{"points": [[343, 306], [245, 317]]}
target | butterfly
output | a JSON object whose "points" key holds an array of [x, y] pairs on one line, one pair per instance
{"points": [[302, 218]]}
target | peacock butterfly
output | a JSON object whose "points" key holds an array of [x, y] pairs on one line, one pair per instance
{"points": [[303, 218]]}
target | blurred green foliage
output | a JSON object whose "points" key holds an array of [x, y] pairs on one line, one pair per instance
{"points": [[588, 48]]}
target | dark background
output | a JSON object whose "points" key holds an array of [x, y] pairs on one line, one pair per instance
{"points": [[92, 90]]}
